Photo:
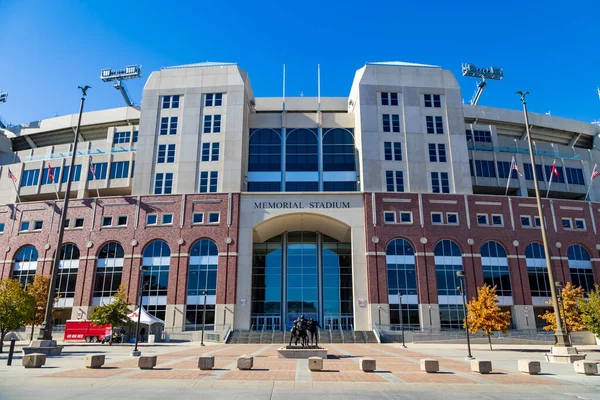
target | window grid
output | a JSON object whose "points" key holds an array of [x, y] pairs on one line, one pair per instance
{"points": [[98, 171], [494, 264], [212, 123], [446, 254], [119, 169], [432, 100], [109, 270], [391, 123], [437, 152], [389, 99], [435, 125], [213, 100], [479, 136], [394, 181], [538, 275], [67, 273], [163, 183], [440, 182], [485, 168]]}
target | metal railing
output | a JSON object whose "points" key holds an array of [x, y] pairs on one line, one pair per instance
{"points": [[516, 150], [89, 152]]}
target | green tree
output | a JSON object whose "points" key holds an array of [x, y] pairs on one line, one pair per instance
{"points": [[115, 313], [485, 315], [571, 297], [590, 311], [16, 307], [39, 290]]}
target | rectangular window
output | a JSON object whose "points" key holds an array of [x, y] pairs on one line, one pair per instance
{"points": [[432, 100], [46, 176], [76, 173], [452, 218], [106, 221], [197, 218], [497, 220], [394, 181], [575, 176], [387, 127], [167, 219], [580, 224], [163, 183], [392, 151], [529, 172], [173, 126], [121, 137], [405, 217], [164, 125], [395, 123], [37, 225], [536, 221], [205, 151], [214, 175], [97, 171], [170, 101], [119, 169], [122, 220], [213, 100], [479, 136], [135, 136], [207, 186], [504, 170], [555, 179], [170, 154], [213, 218], [485, 168], [482, 219], [151, 219], [389, 217], [437, 218], [24, 226], [78, 223], [435, 125], [215, 152], [162, 154], [525, 221], [567, 223], [440, 182], [437, 152], [175, 101], [389, 99], [30, 177], [212, 124], [204, 182], [2, 228]]}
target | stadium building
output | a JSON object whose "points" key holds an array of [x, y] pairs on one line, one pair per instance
{"points": [[354, 210]]}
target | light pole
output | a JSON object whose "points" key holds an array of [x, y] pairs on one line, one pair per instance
{"points": [[461, 289], [560, 285], [46, 327], [562, 340], [136, 352], [203, 319], [401, 318]]}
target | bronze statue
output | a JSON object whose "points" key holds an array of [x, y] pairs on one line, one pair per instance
{"points": [[300, 329]]}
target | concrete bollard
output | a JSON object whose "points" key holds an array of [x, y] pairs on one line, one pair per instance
{"points": [[147, 362], [530, 367], [368, 364], [206, 362], [34, 360], [315, 363], [93, 360], [586, 367], [245, 362], [430, 365], [482, 367]]}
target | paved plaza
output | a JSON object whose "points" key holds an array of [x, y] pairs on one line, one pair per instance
{"points": [[398, 374]]}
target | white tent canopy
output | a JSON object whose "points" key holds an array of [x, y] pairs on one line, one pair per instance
{"points": [[145, 318]]}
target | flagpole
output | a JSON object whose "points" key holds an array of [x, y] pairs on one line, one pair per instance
{"points": [[51, 175], [16, 191], [591, 181], [550, 180], [510, 170], [46, 327]]}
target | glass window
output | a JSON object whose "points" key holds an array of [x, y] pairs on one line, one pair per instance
{"points": [[387, 127], [109, 270], [214, 177], [536, 267], [30, 177], [119, 169], [437, 218], [49, 178], [401, 270], [98, 171], [167, 219], [205, 151], [24, 226], [213, 100], [265, 150], [406, 217], [67, 272], [479, 136], [155, 267], [151, 219], [173, 125], [164, 125], [76, 173], [213, 218], [338, 150], [196, 320], [175, 101], [529, 172], [495, 267], [78, 222], [121, 137], [197, 218], [435, 125], [580, 224], [580, 265], [302, 150], [37, 225], [2, 227], [482, 219], [215, 152], [567, 223], [166, 102], [163, 183], [389, 216], [448, 260], [432, 100], [106, 221], [452, 218], [555, 179], [25, 265], [497, 220], [385, 99], [440, 182], [525, 221], [394, 181], [451, 316], [485, 168], [437, 152], [122, 220], [575, 176], [504, 170], [202, 279]]}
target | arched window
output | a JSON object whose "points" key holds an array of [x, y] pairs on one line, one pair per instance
{"points": [[155, 265], [302, 160], [109, 271], [264, 161], [580, 265], [448, 260], [402, 281], [25, 265], [495, 267], [536, 268], [202, 277], [338, 157], [67, 273]]}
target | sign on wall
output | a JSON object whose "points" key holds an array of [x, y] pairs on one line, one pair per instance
{"points": [[262, 205]]}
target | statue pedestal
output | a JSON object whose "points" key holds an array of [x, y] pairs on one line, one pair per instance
{"points": [[564, 355], [47, 347], [299, 352]]}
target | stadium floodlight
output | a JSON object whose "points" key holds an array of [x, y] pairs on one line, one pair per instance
{"points": [[120, 75], [493, 73], [3, 97]]}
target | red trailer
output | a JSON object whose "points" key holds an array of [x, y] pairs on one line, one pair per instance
{"points": [[86, 330]]}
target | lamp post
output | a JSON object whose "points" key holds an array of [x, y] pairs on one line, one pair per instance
{"points": [[562, 340], [46, 327], [401, 318], [203, 319], [461, 276], [560, 285], [136, 352]]}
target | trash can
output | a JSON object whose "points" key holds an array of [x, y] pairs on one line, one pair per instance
{"points": [[151, 338]]}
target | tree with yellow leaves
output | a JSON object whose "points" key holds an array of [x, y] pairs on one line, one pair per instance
{"points": [[571, 296], [484, 314], [39, 290]]}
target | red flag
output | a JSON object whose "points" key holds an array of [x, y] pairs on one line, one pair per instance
{"points": [[554, 170], [595, 173], [11, 176], [50, 176], [516, 167]]}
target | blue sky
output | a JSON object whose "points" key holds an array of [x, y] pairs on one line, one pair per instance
{"points": [[549, 48]]}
